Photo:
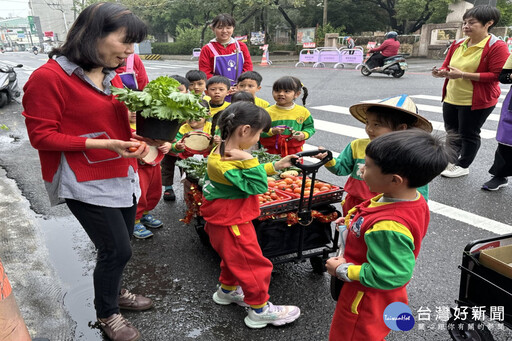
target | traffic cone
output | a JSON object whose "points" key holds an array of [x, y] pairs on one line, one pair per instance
{"points": [[12, 326], [264, 59]]}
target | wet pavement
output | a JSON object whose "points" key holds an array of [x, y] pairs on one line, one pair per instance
{"points": [[49, 259]]}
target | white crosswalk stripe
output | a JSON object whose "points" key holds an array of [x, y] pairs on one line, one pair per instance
{"points": [[435, 207], [445, 210], [355, 132]]}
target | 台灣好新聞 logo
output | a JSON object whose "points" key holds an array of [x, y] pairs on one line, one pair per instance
{"points": [[398, 316]]}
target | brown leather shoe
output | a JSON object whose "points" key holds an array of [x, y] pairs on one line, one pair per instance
{"points": [[118, 328], [130, 301]]}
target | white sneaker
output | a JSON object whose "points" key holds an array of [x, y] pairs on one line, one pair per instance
{"points": [[276, 315], [235, 296], [454, 171]]}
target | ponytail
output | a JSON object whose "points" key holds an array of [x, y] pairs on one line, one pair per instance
{"points": [[304, 94]]}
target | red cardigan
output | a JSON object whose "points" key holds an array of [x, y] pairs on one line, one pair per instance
{"points": [[62, 111], [206, 57], [486, 92]]}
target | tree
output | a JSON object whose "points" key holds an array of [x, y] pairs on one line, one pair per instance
{"points": [[505, 7], [406, 16]]}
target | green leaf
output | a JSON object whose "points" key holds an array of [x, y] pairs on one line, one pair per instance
{"points": [[161, 99]]}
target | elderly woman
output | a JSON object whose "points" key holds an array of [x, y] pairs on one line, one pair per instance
{"points": [[83, 137], [471, 89]]}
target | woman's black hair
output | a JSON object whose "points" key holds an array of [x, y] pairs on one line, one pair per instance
{"points": [[484, 14], [239, 114], [94, 23], [223, 19], [242, 96], [291, 83]]}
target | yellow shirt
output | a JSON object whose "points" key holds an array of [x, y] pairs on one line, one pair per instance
{"points": [[508, 63], [460, 91], [215, 110], [261, 103]]}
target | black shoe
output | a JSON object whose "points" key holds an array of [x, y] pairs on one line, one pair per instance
{"points": [[495, 183], [169, 195]]}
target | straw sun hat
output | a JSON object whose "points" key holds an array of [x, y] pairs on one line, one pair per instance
{"points": [[402, 103]]}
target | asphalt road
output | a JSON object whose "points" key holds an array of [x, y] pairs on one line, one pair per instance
{"points": [[49, 258]]}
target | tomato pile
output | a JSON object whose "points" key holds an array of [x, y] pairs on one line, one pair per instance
{"points": [[271, 196], [293, 185]]}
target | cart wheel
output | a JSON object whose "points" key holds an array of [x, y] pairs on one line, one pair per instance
{"points": [[461, 331], [336, 285], [203, 236], [318, 264]]}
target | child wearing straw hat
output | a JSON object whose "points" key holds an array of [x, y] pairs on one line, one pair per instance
{"points": [[390, 114]]}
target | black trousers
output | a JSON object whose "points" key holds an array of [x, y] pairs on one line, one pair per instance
{"points": [[110, 229], [377, 59], [467, 124], [167, 165], [502, 165]]}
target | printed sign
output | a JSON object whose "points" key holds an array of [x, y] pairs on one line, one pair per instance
{"points": [[258, 38], [305, 35], [48, 34], [309, 45]]}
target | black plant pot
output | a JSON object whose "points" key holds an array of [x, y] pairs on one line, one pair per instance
{"points": [[154, 128]]}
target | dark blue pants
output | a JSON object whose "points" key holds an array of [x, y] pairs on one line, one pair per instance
{"points": [[467, 123], [110, 230]]}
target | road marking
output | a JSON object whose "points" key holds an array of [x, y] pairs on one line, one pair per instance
{"points": [[351, 131], [469, 218], [448, 211], [436, 109]]}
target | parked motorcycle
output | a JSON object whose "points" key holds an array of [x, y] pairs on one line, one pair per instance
{"points": [[394, 66], [9, 89]]}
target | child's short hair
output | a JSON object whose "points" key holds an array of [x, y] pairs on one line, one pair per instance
{"points": [[195, 75], [238, 114], [255, 76], [413, 154], [218, 80], [242, 96], [182, 80], [291, 83], [393, 118]]}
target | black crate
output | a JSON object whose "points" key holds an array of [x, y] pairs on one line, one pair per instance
{"points": [[276, 238]]}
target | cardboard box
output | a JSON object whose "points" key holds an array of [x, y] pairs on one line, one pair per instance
{"points": [[498, 259]]}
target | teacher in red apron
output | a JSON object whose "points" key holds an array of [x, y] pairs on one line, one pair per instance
{"points": [[223, 55]]}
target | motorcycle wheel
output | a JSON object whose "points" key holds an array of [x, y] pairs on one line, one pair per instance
{"points": [[399, 73], [365, 71], [4, 99]]}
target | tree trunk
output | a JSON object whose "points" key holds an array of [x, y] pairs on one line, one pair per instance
{"points": [[287, 18]]}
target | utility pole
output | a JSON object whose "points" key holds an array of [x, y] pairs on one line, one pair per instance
{"points": [[324, 22]]}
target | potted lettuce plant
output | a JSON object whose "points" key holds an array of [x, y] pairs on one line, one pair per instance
{"points": [[161, 108]]}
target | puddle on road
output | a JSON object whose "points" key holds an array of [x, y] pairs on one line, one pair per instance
{"points": [[73, 256]]}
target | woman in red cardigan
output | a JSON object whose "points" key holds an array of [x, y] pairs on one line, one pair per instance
{"points": [[83, 137], [471, 89]]}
